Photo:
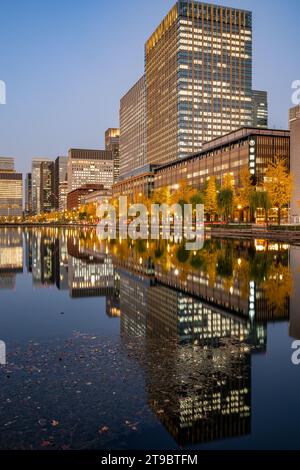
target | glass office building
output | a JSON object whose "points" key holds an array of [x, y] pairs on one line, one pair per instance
{"points": [[198, 78]]}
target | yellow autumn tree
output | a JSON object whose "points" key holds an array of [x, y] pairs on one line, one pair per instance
{"points": [[244, 192], [278, 287], [211, 198], [228, 181], [183, 193], [161, 196], [278, 184]]}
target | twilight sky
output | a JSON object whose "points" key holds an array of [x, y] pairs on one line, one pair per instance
{"points": [[66, 63]]}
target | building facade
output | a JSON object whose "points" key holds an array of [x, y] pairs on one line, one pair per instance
{"points": [[133, 128], [11, 189], [198, 78], [112, 144], [28, 194], [62, 196], [246, 148], [47, 196], [77, 197], [294, 119], [260, 117], [136, 185], [60, 177], [90, 167], [36, 184]]}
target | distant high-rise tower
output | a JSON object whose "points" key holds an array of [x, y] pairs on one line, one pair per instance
{"points": [[60, 182], [11, 189], [36, 186], [294, 119], [112, 143], [260, 109], [198, 78], [47, 187], [133, 128], [28, 194]]}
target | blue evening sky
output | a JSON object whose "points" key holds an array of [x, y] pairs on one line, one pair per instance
{"points": [[66, 63]]}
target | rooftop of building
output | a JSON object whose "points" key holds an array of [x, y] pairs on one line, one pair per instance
{"points": [[88, 187]]}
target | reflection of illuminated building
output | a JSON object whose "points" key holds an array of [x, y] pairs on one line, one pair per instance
{"points": [[134, 291], [113, 301], [219, 406], [11, 257], [294, 326], [61, 263], [89, 274], [43, 262]]}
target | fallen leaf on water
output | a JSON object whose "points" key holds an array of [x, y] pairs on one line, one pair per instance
{"points": [[45, 443], [103, 429]]}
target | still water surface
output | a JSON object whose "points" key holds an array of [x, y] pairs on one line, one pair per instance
{"points": [[145, 345]]}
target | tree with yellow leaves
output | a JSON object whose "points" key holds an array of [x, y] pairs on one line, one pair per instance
{"points": [[183, 193], [211, 198], [278, 184], [244, 192], [161, 196]]}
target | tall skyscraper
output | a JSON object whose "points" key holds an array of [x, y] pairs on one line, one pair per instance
{"points": [[112, 144], [60, 178], [90, 167], [260, 109], [133, 128], [47, 187], [294, 119], [11, 189], [28, 194], [198, 78], [36, 184]]}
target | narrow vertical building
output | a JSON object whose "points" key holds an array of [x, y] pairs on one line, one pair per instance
{"points": [[133, 128], [294, 118], [198, 78], [60, 182], [36, 184], [260, 109], [112, 144], [28, 194], [47, 187]]}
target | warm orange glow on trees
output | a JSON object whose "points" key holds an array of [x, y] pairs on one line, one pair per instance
{"points": [[278, 184]]}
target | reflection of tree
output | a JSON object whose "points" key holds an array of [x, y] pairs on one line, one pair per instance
{"points": [[278, 286]]}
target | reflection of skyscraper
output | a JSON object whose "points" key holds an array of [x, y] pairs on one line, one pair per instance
{"points": [[113, 301], [43, 262], [11, 257], [294, 326], [89, 274], [61, 263], [196, 361]]}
